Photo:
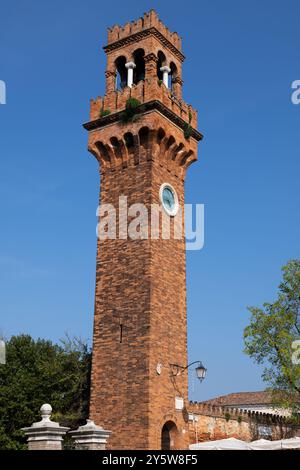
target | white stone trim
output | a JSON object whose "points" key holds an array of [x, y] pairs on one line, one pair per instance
{"points": [[165, 71], [130, 66]]}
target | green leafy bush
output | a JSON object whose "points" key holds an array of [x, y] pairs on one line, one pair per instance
{"points": [[187, 131], [130, 110], [104, 112], [37, 372]]}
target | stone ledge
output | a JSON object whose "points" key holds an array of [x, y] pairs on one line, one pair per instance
{"points": [[149, 106]]}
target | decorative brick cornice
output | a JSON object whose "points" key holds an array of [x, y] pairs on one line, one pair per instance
{"points": [[151, 105], [177, 80], [141, 35], [150, 57], [110, 73]]}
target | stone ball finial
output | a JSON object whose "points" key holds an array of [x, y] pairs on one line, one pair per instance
{"points": [[46, 411]]}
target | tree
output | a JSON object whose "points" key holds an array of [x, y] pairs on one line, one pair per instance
{"points": [[37, 372], [272, 339]]}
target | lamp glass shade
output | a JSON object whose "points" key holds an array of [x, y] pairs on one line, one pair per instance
{"points": [[201, 371]]}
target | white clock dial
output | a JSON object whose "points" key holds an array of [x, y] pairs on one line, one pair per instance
{"points": [[169, 199]]}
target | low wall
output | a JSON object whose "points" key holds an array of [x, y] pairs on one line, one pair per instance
{"points": [[207, 422]]}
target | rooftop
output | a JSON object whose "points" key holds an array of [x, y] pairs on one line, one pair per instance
{"points": [[242, 398], [149, 20]]}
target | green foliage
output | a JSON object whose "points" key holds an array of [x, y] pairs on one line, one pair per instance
{"points": [[239, 419], [104, 112], [129, 115], [270, 335], [227, 416], [132, 103], [160, 82], [187, 131], [37, 372]]}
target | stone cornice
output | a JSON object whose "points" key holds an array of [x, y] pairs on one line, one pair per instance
{"points": [[151, 105], [141, 35]]}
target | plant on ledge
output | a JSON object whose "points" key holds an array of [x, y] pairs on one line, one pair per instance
{"points": [[187, 130], [104, 112], [129, 115]]}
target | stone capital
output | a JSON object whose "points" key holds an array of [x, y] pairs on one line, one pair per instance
{"points": [[130, 65], [165, 69]]}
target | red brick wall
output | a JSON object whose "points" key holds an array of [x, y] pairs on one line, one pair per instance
{"points": [[216, 422], [140, 284], [120, 391], [210, 428]]}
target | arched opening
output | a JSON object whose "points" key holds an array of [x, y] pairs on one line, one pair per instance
{"points": [[129, 140], [187, 158], [128, 137], [177, 151], [121, 79], [144, 137], [139, 71], [173, 74], [116, 147], [170, 142], [160, 63], [169, 436], [103, 151], [160, 135]]}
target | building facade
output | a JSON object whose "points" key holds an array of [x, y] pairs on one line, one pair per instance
{"points": [[144, 137]]}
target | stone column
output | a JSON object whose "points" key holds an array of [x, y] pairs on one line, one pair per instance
{"points": [[165, 71], [130, 66], [90, 437], [45, 434]]}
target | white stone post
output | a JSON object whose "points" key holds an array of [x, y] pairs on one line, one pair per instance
{"points": [[90, 437], [165, 71], [45, 434], [130, 66], [2, 352]]}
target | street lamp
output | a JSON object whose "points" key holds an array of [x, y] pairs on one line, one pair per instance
{"points": [[200, 369]]}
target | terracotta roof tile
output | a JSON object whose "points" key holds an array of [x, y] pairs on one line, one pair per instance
{"points": [[242, 398]]}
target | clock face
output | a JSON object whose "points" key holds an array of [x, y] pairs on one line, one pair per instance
{"points": [[169, 199]]}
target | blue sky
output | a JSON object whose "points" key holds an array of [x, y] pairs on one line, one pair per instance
{"points": [[241, 60]]}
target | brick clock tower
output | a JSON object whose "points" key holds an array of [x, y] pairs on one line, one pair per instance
{"points": [[144, 137]]}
